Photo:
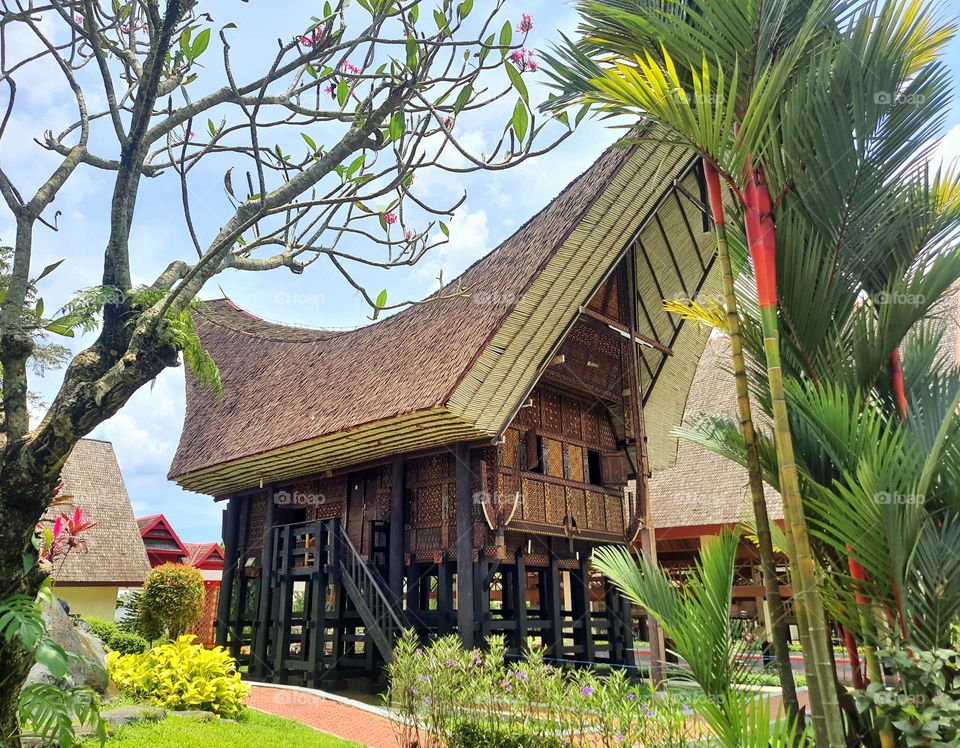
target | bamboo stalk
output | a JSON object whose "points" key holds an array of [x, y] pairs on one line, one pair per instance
{"points": [[825, 705], [768, 567]]}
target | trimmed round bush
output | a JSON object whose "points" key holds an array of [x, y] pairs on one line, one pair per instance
{"points": [[171, 601], [116, 639]]}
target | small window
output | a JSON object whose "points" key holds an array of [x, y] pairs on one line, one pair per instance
{"points": [[593, 468], [535, 460]]}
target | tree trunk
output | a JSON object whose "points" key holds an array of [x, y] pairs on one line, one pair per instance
{"points": [[824, 705], [24, 499], [768, 567]]}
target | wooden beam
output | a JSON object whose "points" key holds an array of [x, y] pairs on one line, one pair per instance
{"points": [[618, 326], [521, 602], [231, 521], [258, 652], [395, 560], [466, 620]]}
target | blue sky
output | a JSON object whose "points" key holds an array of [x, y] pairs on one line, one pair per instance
{"points": [[146, 431]]}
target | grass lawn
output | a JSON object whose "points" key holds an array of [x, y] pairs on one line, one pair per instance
{"points": [[254, 730]]}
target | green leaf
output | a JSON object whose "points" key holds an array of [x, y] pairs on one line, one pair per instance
{"points": [[462, 98], [517, 80], [200, 44], [343, 90], [228, 182], [463, 10], [444, 228], [413, 51], [47, 270], [58, 329], [212, 128], [382, 299], [441, 21], [355, 165], [309, 141], [506, 37], [396, 126], [521, 120], [487, 45], [29, 561], [52, 655], [39, 309], [414, 14]]}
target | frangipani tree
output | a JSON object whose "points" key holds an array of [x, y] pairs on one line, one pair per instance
{"points": [[317, 153]]}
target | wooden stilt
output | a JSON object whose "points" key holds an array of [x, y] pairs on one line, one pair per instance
{"points": [[466, 619], [231, 517], [259, 666], [580, 590], [396, 527], [520, 603]]}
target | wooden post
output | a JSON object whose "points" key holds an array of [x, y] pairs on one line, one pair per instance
{"points": [[580, 592], [481, 596], [521, 602], [318, 602], [258, 654], [281, 637], [444, 596], [555, 612], [648, 540], [396, 528], [231, 519], [465, 613]]}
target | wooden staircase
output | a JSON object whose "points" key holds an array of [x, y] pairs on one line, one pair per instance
{"points": [[382, 613]]}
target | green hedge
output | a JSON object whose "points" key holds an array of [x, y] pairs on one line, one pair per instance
{"points": [[116, 639], [473, 734]]}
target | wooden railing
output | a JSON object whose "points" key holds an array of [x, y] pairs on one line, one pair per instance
{"points": [[381, 612]]}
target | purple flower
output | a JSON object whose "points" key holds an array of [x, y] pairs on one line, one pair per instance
{"points": [[427, 700], [425, 678], [587, 691], [687, 710], [619, 737], [631, 697], [520, 675], [419, 650]]}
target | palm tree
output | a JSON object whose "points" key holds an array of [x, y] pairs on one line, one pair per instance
{"points": [[759, 109], [647, 58], [696, 617]]}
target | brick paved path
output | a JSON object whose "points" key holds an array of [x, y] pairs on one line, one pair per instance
{"points": [[343, 720]]}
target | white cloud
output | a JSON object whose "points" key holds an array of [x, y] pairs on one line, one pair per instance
{"points": [[469, 241], [948, 149]]}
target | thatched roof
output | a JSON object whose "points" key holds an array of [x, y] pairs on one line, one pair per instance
{"points": [[706, 489], [298, 401], [115, 553]]}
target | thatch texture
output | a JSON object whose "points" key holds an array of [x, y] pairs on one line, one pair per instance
{"points": [[115, 553], [299, 401], [704, 488]]}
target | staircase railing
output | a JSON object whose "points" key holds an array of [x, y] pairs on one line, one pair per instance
{"points": [[381, 613]]}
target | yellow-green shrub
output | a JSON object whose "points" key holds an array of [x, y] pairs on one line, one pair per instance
{"points": [[181, 675]]}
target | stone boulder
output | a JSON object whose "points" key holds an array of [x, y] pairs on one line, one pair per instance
{"points": [[91, 667]]}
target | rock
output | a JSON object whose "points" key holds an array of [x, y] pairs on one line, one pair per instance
{"points": [[40, 674], [91, 670], [124, 715]]}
